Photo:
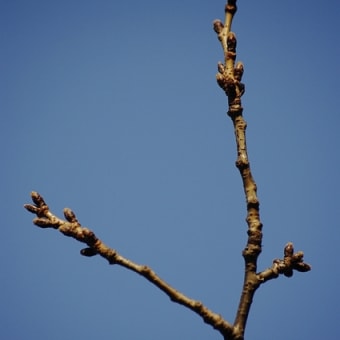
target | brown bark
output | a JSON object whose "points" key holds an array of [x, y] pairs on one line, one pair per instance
{"points": [[229, 79]]}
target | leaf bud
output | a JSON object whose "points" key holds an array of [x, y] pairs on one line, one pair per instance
{"points": [[89, 252]]}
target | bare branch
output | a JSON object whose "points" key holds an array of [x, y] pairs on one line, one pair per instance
{"points": [[72, 228], [229, 79]]}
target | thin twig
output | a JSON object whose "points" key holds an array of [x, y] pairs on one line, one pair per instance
{"points": [[72, 228]]}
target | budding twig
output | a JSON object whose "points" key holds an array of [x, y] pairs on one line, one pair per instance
{"points": [[72, 228], [229, 78]]}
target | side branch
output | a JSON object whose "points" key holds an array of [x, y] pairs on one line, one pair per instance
{"points": [[290, 262], [72, 228]]}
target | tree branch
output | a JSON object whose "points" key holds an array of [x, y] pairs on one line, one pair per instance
{"points": [[291, 261], [72, 228], [229, 79]]}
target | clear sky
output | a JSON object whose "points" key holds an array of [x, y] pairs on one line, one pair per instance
{"points": [[111, 108]]}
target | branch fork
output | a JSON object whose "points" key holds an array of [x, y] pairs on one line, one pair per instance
{"points": [[229, 78]]}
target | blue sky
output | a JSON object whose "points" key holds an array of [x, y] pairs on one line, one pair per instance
{"points": [[111, 108]]}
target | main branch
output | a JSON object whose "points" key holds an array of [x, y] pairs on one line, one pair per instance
{"points": [[229, 78]]}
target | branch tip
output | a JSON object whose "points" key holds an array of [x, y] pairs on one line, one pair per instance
{"points": [[31, 208], [37, 199], [70, 215], [289, 249]]}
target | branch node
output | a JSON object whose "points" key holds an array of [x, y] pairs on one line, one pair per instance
{"points": [[231, 7]]}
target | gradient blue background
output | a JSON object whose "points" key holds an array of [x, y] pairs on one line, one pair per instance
{"points": [[111, 108]]}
